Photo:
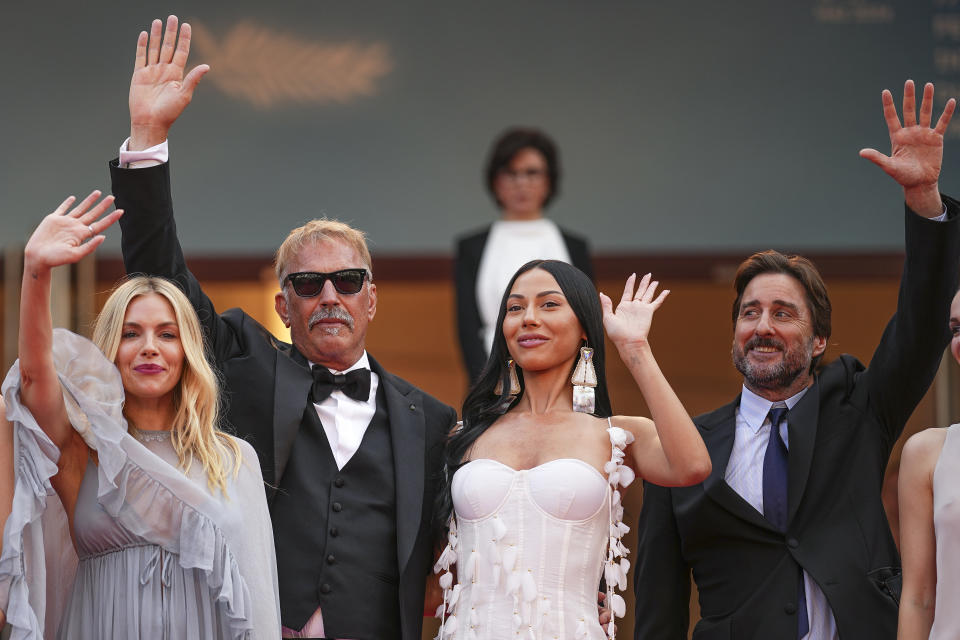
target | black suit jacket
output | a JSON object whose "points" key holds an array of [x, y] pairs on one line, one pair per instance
{"points": [[266, 389], [466, 264], [841, 434]]}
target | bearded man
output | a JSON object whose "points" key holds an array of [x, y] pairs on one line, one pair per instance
{"points": [[788, 538]]}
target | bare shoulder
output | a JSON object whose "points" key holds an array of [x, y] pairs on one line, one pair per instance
{"points": [[922, 449]]}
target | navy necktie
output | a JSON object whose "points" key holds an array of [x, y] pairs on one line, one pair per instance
{"points": [[775, 466], [355, 384]]}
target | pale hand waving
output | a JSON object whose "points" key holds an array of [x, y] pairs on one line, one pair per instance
{"points": [[630, 322], [66, 237]]}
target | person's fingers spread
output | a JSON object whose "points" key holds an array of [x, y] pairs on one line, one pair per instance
{"points": [[926, 106], [140, 59], [153, 50], [169, 39], [944, 120], [909, 104]]}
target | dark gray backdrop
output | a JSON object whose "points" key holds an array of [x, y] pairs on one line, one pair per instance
{"points": [[684, 126]]}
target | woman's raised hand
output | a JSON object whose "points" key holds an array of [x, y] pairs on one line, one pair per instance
{"points": [[64, 237], [630, 322]]}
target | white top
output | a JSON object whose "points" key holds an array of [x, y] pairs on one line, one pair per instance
{"points": [[510, 245], [344, 419], [531, 546], [744, 474]]}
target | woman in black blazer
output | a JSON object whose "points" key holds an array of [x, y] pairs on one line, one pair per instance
{"points": [[523, 176]]}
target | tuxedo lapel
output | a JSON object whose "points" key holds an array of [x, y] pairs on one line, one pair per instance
{"points": [[408, 434], [718, 430], [802, 433], [290, 392]]}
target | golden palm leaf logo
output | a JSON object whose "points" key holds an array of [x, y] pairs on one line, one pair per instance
{"points": [[269, 69]]}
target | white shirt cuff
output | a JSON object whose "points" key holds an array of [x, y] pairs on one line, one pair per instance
{"points": [[942, 217], [158, 153]]}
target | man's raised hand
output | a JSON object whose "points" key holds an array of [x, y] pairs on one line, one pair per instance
{"points": [[159, 92], [916, 148]]}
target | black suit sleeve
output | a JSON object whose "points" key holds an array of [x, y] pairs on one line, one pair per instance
{"points": [[466, 262], [150, 245], [661, 580], [906, 360]]}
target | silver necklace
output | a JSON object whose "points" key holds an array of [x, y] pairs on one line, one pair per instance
{"points": [[151, 435]]}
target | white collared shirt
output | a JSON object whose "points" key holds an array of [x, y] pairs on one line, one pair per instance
{"points": [[344, 419], [744, 474]]}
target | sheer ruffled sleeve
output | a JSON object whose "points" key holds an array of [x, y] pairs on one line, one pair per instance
{"points": [[146, 495]]}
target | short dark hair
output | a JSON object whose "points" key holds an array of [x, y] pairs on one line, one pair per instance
{"points": [[801, 270], [513, 141]]}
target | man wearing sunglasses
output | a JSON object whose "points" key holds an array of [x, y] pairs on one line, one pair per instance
{"points": [[349, 452]]}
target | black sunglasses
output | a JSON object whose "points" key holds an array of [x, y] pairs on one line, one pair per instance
{"points": [[308, 284]]}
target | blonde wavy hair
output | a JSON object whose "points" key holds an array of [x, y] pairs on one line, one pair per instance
{"points": [[318, 230], [195, 434]]}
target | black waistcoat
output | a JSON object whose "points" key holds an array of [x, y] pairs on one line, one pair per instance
{"points": [[336, 533]]}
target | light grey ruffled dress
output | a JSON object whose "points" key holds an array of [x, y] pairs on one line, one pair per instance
{"points": [[156, 554]]}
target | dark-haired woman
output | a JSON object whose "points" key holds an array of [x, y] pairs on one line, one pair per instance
{"points": [[535, 472], [523, 176]]}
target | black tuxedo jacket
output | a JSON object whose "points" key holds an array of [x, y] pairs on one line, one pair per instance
{"points": [[266, 389], [466, 264], [841, 434]]}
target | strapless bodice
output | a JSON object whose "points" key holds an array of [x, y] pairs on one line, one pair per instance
{"points": [[566, 488], [531, 546]]}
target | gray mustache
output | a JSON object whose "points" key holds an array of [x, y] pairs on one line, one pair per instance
{"points": [[336, 313], [757, 341]]}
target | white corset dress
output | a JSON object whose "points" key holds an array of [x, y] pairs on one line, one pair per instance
{"points": [[530, 548]]}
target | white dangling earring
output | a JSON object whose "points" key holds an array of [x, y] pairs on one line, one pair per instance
{"points": [[584, 379]]}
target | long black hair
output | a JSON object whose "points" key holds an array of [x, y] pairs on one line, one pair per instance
{"points": [[482, 406]]}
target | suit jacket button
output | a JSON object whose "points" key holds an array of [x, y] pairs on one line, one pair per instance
{"points": [[325, 588], [337, 507], [338, 483], [334, 532], [331, 559], [793, 543], [790, 608]]}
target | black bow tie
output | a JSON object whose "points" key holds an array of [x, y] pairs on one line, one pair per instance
{"points": [[355, 384]]}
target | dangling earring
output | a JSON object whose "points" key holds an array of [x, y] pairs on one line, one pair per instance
{"points": [[584, 379], [510, 376]]}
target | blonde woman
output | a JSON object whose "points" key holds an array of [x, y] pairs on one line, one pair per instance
{"points": [[154, 523]]}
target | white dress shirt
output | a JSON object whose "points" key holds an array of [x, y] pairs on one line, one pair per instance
{"points": [[744, 474], [344, 419]]}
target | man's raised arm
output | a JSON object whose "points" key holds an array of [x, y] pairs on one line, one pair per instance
{"points": [[159, 93], [906, 360]]}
